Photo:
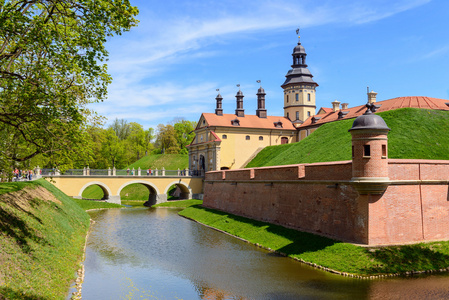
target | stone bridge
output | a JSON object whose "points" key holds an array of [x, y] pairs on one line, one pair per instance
{"points": [[158, 186]]}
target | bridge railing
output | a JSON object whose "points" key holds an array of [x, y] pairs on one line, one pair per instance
{"points": [[125, 172]]}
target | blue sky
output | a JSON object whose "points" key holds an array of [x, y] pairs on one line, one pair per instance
{"points": [[182, 51]]}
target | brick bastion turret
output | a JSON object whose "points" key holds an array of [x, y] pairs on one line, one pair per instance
{"points": [[370, 200]]}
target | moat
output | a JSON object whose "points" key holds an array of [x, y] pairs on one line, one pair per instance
{"points": [[140, 253]]}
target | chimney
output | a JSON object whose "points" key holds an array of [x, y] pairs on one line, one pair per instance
{"points": [[344, 106], [335, 105], [372, 97], [219, 109], [239, 112], [261, 112]]}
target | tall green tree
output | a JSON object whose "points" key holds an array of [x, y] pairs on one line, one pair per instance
{"points": [[52, 64], [184, 134], [166, 139]]}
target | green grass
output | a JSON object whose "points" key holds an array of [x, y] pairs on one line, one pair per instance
{"points": [[41, 242], [415, 134], [89, 204], [93, 192], [326, 252], [179, 203], [158, 161]]}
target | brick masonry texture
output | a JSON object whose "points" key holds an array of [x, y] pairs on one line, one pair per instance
{"points": [[319, 198]]}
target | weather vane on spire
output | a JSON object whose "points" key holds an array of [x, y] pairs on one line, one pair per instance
{"points": [[297, 32], [258, 81]]}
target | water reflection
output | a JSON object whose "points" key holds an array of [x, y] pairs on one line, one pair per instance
{"points": [[142, 253]]}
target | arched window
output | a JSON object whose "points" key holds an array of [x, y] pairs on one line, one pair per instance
{"points": [[247, 138], [260, 138], [284, 140], [297, 97], [224, 136]]}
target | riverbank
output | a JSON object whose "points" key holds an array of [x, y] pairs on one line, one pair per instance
{"points": [[330, 255], [42, 237]]}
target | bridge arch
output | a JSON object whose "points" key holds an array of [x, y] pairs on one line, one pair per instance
{"points": [[154, 197], [186, 191], [106, 191]]}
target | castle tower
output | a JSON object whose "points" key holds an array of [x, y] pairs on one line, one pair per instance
{"points": [[370, 153], [299, 88]]}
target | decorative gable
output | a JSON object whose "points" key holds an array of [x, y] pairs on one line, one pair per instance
{"points": [[235, 122]]}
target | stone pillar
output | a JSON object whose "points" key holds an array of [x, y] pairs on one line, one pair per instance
{"points": [[139, 172], [369, 153], [114, 171], [156, 172], [84, 171], [163, 171], [109, 171], [178, 172], [187, 172], [87, 171]]}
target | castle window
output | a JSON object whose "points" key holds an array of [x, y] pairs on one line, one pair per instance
{"points": [[297, 97], [384, 151], [308, 97], [204, 122], [366, 150], [352, 151], [287, 98], [284, 140], [224, 136], [288, 116], [247, 138], [297, 115], [201, 138], [308, 113], [260, 138]]}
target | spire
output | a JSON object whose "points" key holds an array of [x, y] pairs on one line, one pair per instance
{"points": [[219, 109], [299, 72]]}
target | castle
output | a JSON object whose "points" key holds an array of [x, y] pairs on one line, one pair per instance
{"points": [[369, 200], [229, 141]]}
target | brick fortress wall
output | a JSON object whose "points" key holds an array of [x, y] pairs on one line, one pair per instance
{"points": [[320, 198]]}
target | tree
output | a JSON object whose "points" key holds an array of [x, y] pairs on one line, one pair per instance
{"points": [[52, 58], [166, 139], [184, 134], [149, 136], [113, 149], [136, 139], [122, 128]]}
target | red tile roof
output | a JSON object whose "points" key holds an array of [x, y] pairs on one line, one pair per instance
{"points": [[248, 121], [391, 104], [325, 109]]}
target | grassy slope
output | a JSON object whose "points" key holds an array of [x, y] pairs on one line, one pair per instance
{"points": [[326, 252], [157, 161], [41, 244], [415, 133]]}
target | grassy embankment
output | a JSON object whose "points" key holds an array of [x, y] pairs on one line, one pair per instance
{"points": [[415, 134], [325, 252], [42, 236], [137, 194]]}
